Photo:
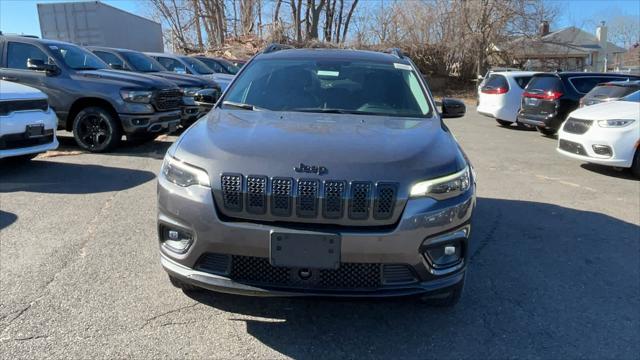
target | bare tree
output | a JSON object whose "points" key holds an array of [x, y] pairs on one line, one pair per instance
{"points": [[624, 30], [247, 16]]}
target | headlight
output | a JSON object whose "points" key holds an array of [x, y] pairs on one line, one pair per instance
{"points": [[445, 187], [137, 96], [183, 174], [614, 123], [190, 91]]}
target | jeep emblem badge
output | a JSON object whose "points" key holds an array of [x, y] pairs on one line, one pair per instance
{"points": [[312, 169]]}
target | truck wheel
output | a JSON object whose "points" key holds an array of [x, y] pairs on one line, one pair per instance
{"points": [[96, 130], [447, 299], [504, 123], [546, 131], [635, 167], [183, 285]]}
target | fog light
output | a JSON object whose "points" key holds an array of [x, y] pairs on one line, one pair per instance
{"points": [[603, 150], [176, 240], [140, 121], [444, 255]]}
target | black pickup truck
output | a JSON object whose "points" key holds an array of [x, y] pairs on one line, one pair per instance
{"points": [[97, 104]]}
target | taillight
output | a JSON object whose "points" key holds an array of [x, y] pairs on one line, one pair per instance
{"points": [[496, 91], [547, 95]]}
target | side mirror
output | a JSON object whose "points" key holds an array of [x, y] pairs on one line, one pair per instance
{"points": [[39, 65], [207, 97], [116, 66], [453, 108]]}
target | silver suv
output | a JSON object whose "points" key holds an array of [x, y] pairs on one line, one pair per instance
{"points": [[320, 173]]}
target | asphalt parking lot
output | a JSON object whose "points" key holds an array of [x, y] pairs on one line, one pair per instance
{"points": [[554, 271]]}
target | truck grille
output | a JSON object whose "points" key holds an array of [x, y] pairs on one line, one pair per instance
{"points": [[308, 198], [349, 276], [577, 126], [7, 107], [168, 99]]}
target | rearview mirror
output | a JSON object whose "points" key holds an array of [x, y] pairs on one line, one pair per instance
{"points": [[39, 65], [207, 97], [452, 108], [116, 66]]}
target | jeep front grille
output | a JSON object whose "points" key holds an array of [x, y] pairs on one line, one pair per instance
{"points": [[349, 276], [166, 100], [282, 197]]}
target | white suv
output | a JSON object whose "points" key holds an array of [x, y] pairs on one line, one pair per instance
{"points": [[27, 124], [606, 134], [501, 93]]}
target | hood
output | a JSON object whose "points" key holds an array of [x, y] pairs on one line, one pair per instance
{"points": [[127, 78], [350, 147], [14, 91], [221, 79], [608, 110], [184, 80]]}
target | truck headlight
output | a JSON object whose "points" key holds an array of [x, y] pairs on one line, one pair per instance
{"points": [[190, 91], [183, 174], [444, 187], [137, 96], [614, 123]]}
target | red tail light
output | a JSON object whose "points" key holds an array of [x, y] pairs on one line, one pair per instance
{"points": [[496, 91], [547, 95]]}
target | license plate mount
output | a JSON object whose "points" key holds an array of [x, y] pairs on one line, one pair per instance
{"points": [[34, 131], [532, 101], [305, 250]]}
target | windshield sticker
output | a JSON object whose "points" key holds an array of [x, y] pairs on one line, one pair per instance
{"points": [[328, 73], [402, 66]]}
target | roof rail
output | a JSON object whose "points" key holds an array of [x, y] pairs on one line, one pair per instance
{"points": [[276, 47], [395, 52]]}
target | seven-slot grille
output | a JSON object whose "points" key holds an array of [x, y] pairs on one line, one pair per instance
{"points": [[305, 197], [168, 99], [577, 126]]}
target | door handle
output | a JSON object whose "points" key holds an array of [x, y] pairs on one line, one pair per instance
{"points": [[9, 78]]}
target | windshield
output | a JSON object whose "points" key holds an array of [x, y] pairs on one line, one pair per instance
{"points": [[142, 62], [197, 66], [331, 86], [231, 69], [77, 58]]}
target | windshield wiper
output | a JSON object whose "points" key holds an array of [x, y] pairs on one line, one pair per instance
{"points": [[241, 105], [334, 111]]}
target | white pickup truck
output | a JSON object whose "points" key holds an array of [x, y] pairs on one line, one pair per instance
{"points": [[27, 123]]}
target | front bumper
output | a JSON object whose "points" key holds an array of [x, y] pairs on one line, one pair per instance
{"points": [[623, 143], [167, 121], [13, 139], [192, 209]]}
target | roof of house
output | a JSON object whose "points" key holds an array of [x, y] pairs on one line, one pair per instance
{"points": [[569, 41]]}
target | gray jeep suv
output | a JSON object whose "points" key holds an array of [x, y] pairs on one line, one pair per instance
{"points": [[320, 173]]}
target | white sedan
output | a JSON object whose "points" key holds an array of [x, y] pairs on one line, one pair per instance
{"points": [[605, 134], [27, 123], [501, 93]]}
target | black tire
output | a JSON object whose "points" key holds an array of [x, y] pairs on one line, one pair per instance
{"points": [[449, 298], [504, 123], [546, 131], [96, 130], [183, 285], [635, 167], [139, 139]]}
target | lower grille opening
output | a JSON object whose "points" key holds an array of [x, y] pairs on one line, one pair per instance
{"points": [[258, 271]]}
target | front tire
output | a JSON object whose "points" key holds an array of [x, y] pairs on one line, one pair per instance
{"points": [[546, 131], [448, 299], [504, 123], [96, 130], [635, 167]]}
